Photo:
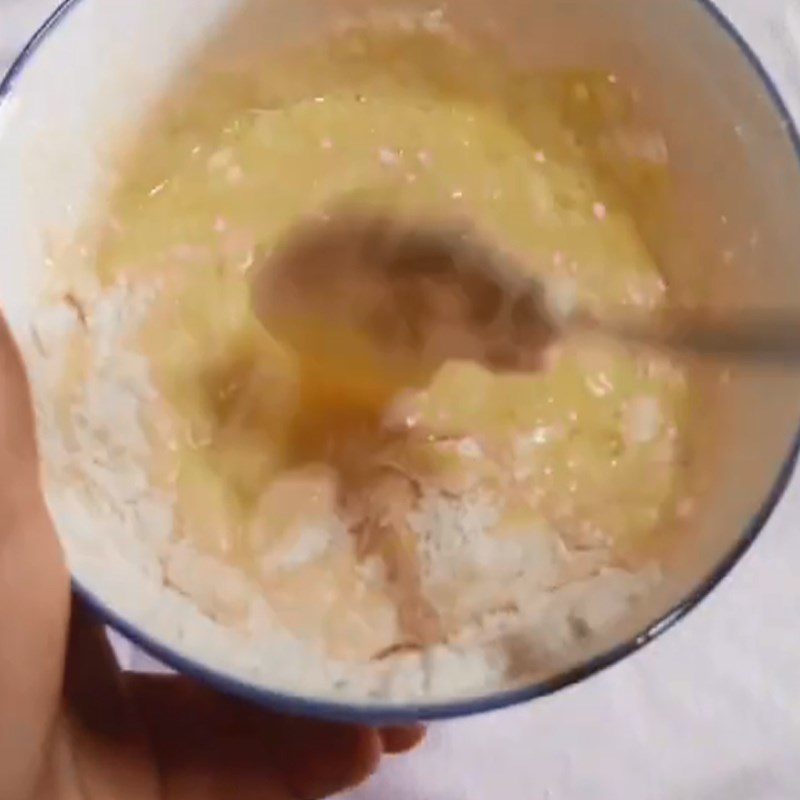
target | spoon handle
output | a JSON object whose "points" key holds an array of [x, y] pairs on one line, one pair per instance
{"points": [[763, 337]]}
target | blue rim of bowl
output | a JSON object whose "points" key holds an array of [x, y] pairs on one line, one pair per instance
{"points": [[369, 713]]}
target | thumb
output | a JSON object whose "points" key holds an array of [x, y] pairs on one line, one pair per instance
{"points": [[18, 458], [34, 585]]}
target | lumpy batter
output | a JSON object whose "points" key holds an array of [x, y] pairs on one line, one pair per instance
{"points": [[469, 498]]}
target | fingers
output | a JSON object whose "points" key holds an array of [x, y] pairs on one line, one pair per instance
{"points": [[207, 743], [318, 759], [401, 739], [93, 685], [108, 746]]}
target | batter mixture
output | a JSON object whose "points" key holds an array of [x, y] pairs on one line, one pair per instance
{"points": [[490, 513]]}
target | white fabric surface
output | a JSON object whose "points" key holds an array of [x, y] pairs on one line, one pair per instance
{"points": [[709, 712]]}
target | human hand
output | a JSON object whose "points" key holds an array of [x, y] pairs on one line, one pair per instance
{"points": [[74, 727]]}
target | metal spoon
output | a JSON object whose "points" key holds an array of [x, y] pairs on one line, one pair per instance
{"points": [[386, 303]]}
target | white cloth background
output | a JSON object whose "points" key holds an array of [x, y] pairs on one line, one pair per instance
{"points": [[709, 712]]}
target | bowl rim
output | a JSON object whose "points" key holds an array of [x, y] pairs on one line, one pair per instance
{"points": [[384, 713]]}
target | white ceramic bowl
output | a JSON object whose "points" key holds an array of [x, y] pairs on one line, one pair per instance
{"points": [[89, 77]]}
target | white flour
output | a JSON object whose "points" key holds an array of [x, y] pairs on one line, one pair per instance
{"points": [[118, 531]]}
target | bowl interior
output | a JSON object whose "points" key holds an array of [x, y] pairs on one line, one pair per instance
{"points": [[724, 233]]}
